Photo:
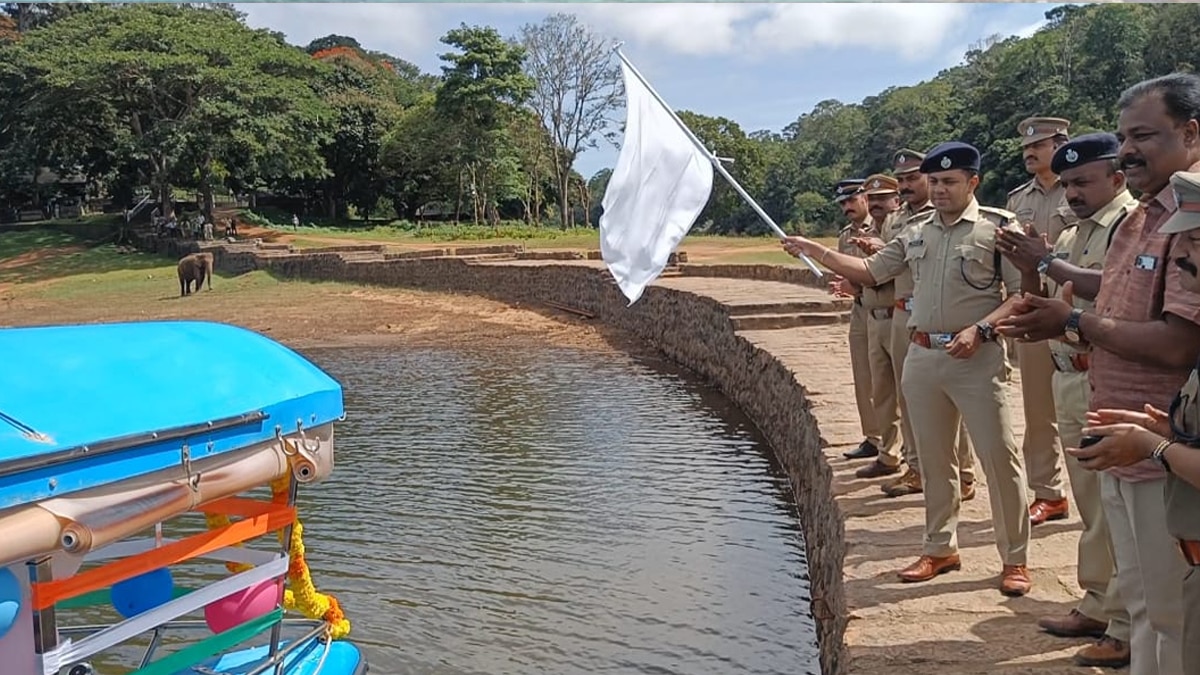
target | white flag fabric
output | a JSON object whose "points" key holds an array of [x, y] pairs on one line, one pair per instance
{"points": [[658, 188]]}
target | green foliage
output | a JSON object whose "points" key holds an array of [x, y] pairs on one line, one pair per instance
{"points": [[133, 95]]}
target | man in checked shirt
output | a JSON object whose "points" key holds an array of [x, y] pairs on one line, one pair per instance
{"points": [[1145, 337]]}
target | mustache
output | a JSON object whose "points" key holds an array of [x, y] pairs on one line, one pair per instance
{"points": [[1133, 161], [906, 191], [1076, 202], [1186, 265]]}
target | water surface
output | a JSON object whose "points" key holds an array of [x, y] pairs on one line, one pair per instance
{"points": [[554, 510]]}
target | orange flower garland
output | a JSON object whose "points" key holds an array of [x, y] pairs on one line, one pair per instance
{"points": [[303, 595]]}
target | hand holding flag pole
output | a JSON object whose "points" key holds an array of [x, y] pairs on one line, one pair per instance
{"points": [[716, 161]]}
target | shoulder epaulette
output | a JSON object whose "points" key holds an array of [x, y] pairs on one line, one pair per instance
{"points": [[1005, 215], [1020, 187]]}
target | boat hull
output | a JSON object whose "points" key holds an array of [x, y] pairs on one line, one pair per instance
{"points": [[344, 658]]}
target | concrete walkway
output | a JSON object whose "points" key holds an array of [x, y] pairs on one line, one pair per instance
{"points": [[958, 623]]}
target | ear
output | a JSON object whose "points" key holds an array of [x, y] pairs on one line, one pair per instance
{"points": [[1191, 131]]}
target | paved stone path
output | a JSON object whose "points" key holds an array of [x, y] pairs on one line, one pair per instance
{"points": [[959, 622]]}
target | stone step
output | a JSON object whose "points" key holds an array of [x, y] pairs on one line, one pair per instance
{"points": [[782, 321], [829, 304]]}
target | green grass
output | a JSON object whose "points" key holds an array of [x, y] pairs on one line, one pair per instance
{"points": [[37, 255]]}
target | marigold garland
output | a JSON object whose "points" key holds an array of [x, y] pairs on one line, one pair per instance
{"points": [[303, 595]]}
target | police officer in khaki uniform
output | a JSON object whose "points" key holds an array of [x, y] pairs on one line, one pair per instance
{"points": [[914, 192], [1170, 437], [883, 203], [849, 195], [1042, 204], [1095, 190], [955, 366]]}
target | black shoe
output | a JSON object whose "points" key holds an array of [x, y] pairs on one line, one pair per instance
{"points": [[865, 450]]}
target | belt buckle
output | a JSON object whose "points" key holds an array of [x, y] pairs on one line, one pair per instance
{"points": [[941, 339], [908, 305]]}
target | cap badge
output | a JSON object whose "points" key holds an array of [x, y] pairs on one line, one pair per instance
{"points": [[946, 162], [1029, 130], [875, 184], [1072, 156]]}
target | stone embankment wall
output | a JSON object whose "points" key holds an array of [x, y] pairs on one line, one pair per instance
{"points": [[693, 330]]}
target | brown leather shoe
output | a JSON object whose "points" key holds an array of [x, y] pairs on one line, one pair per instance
{"points": [[876, 469], [1042, 510], [1109, 652], [1073, 625], [928, 567], [908, 484], [968, 491], [1014, 580]]}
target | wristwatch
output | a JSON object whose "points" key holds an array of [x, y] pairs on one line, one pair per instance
{"points": [[1044, 263], [1071, 330], [987, 332]]}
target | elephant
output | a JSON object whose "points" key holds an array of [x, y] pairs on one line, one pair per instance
{"points": [[195, 267]]}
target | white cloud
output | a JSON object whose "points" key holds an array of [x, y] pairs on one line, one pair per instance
{"points": [[686, 29], [393, 28], [910, 30]]}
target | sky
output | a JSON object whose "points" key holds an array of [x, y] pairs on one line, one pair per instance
{"points": [[761, 65]]}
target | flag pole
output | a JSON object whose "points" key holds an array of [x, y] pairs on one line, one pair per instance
{"points": [[716, 162]]}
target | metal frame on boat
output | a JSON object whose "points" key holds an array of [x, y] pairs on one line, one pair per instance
{"points": [[76, 484]]}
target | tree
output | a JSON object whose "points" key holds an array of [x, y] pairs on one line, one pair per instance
{"points": [[181, 103], [727, 211], [577, 89], [484, 83]]}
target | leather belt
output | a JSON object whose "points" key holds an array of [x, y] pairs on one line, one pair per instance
{"points": [[881, 312], [1073, 363], [904, 305], [932, 340], [1191, 551]]}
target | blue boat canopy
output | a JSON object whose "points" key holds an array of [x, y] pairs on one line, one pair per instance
{"points": [[86, 405]]}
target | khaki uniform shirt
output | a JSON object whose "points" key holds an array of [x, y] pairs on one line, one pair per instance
{"points": [[1183, 500], [845, 246], [957, 275], [1084, 244], [1047, 210], [906, 217], [882, 296]]}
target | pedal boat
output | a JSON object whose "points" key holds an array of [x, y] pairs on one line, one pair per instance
{"points": [[108, 432]]}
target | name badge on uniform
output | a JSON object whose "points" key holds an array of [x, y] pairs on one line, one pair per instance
{"points": [[1145, 262], [1063, 255]]}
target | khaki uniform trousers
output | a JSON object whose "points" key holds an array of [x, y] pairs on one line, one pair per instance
{"points": [[901, 342], [1149, 567], [1040, 445], [1096, 573], [860, 363], [1191, 620], [885, 389], [974, 389]]}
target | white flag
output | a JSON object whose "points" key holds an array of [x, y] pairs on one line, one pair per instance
{"points": [[660, 184]]}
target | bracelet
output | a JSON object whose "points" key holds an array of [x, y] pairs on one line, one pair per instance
{"points": [[1159, 454]]}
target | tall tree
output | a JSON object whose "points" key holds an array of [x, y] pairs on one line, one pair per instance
{"points": [[577, 89], [484, 82]]}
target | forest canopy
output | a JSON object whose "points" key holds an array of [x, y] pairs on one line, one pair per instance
{"points": [[134, 99]]}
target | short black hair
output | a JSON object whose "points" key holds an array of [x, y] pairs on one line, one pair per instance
{"points": [[1180, 94]]}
